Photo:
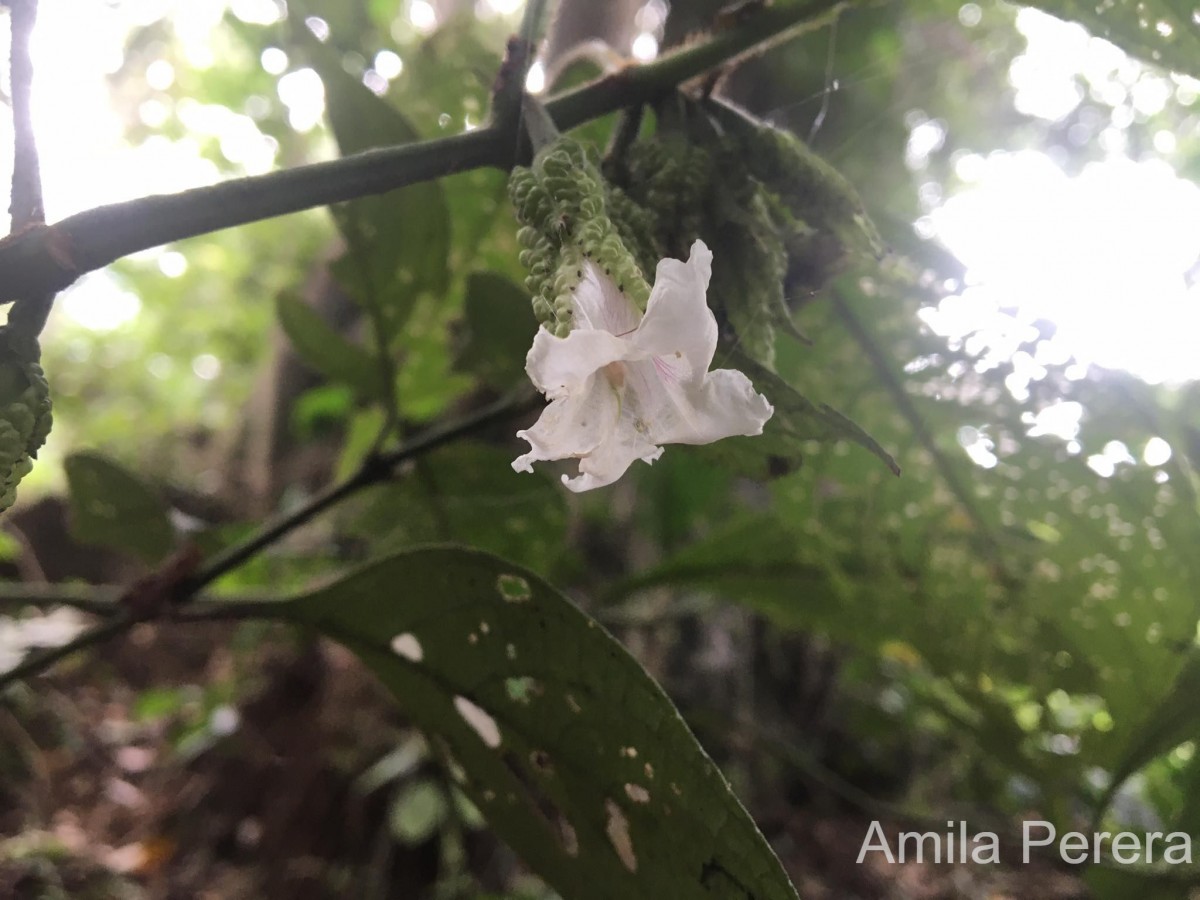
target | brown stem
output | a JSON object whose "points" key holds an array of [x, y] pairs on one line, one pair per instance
{"points": [[50, 258], [29, 315]]}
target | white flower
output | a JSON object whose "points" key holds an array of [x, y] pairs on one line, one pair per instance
{"points": [[622, 384]]}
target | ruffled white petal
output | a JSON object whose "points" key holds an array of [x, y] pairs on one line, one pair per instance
{"points": [[679, 327], [562, 366], [597, 304], [621, 448], [717, 405], [574, 425], [723, 405], [621, 385]]}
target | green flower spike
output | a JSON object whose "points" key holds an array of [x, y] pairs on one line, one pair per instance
{"points": [[24, 410], [562, 202]]}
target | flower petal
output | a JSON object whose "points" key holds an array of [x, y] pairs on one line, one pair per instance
{"points": [[679, 326], [621, 384], [628, 442], [561, 366], [598, 304], [572, 426], [719, 405]]}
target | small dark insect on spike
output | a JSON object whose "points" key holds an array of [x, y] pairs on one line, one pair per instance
{"points": [[621, 288]]}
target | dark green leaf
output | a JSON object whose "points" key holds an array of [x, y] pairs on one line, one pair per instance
{"points": [[427, 383], [571, 751], [755, 561], [499, 328], [323, 348], [112, 506], [796, 420], [320, 408], [469, 493], [1173, 719], [398, 243]]}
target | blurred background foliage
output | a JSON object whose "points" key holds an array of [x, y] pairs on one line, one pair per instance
{"points": [[1008, 629]]}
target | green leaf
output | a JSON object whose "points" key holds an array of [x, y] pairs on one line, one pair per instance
{"points": [[499, 328], [362, 433], [427, 384], [1163, 32], [325, 350], [320, 409], [572, 752], [796, 420], [755, 561], [399, 242], [112, 506], [470, 494], [418, 812], [1174, 719]]}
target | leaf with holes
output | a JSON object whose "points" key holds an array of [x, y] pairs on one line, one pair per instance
{"points": [[572, 752], [112, 506]]}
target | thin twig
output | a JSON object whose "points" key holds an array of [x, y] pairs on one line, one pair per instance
{"points": [[904, 403], [374, 470], [509, 85], [48, 259], [228, 610], [629, 124], [96, 601], [29, 315], [39, 662], [99, 600], [26, 206]]}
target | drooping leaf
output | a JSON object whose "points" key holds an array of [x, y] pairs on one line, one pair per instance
{"points": [[571, 751], [114, 507], [755, 561], [325, 349], [796, 420], [397, 243], [498, 330], [1173, 719], [1165, 32]]}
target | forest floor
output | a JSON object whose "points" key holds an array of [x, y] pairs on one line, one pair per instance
{"points": [[214, 762]]}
